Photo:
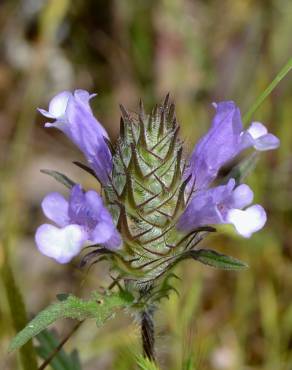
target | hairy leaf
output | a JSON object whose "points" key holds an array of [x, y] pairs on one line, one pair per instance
{"points": [[100, 307], [60, 177], [218, 260], [86, 168]]}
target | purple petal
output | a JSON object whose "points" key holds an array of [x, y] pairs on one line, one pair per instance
{"points": [[101, 163], [84, 208], [88, 134], [55, 207], [200, 212], [224, 110], [101, 233], [223, 142], [83, 97], [76, 211], [242, 196], [249, 221], [115, 241], [74, 117], [87, 209], [105, 231], [94, 200], [267, 142], [61, 244], [221, 192], [78, 109], [218, 146], [221, 205]]}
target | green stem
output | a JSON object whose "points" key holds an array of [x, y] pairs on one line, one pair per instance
{"points": [[284, 71], [18, 312]]}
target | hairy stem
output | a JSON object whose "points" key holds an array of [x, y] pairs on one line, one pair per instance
{"points": [[147, 333]]}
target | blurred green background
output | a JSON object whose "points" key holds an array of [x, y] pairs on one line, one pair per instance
{"points": [[200, 51]]}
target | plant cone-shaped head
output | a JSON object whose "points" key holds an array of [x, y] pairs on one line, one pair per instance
{"points": [[146, 194]]}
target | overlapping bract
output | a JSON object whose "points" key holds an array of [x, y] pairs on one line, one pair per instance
{"points": [[147, 190], [85, 220]]}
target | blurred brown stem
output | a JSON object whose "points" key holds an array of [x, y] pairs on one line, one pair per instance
{"points": [[59, 347], [148, 334]]}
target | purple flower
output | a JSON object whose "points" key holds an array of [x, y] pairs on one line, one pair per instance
{"points": [[224, 205], [224, 141], [74, 117], [83, 219]]}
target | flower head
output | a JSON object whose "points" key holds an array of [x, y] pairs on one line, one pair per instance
{"points": [[157, 205]]}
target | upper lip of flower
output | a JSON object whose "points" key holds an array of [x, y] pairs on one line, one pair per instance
{"points": [[223, 142], [73, 116]]}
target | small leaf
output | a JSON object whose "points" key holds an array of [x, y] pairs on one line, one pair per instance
{"points": [[60, 177], [218, 260], [86, 169], [48, 342], [189, 364], [146, 364], [62, 297], [100, 307]]}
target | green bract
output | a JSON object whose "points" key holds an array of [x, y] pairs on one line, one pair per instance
{"points": [[146, 194]]}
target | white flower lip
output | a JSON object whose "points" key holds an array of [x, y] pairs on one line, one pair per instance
{"points": [[248, 221], [60, 244], [57, 106], [257, 130]]}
